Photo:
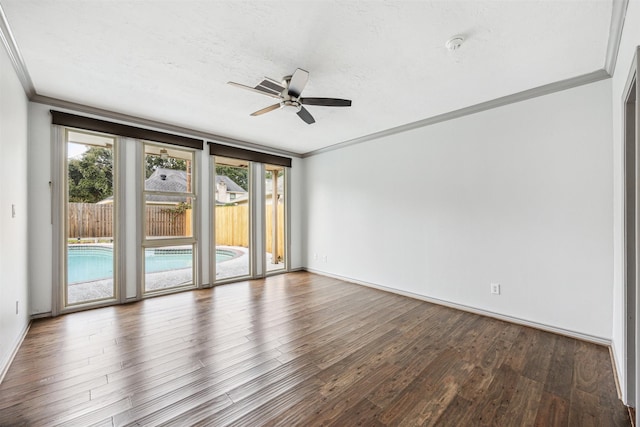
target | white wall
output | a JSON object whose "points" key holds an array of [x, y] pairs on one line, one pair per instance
{"points": [[628, 44], [40, 249], [519, 195], [13, 230]]}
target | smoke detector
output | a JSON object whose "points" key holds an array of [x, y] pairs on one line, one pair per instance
{"points": [[454, 43]]}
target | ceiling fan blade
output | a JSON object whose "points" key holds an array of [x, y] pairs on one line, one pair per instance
{"points": [[305, 115], [252, 89], [298, 82], [326, 102], [270, 85], [267, 109]]}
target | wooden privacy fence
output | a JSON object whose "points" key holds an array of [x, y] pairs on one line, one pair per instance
{"points": [[232, 227], [88, 220], [279, 229], [165, 221]]}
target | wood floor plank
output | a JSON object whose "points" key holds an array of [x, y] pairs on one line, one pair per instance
{"points": [[585, 374], [338, 401], [429, 393], [302, 349], [278, 405], [552, 411], [364, 413], [537, 368], [497, 398], [522, 408], [290, 389], [560, 376]]}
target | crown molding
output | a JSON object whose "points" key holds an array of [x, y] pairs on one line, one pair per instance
{"points": [[618, 15], [483, 106], [13, 52]]}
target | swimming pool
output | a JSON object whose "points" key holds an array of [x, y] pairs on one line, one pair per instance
{"points": [[88, 263]]}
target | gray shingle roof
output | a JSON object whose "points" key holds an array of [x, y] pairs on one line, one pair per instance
{"points": [[171, 180], [167, 180]]}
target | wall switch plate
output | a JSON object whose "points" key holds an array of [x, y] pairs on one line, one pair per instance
{"points": [[495, 288], [13, 211]]}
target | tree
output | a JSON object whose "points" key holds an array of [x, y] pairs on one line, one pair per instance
{"points": [[238, 175], [91, 176]]}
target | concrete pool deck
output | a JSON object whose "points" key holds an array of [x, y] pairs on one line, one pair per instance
{"points": [[101, 289]]}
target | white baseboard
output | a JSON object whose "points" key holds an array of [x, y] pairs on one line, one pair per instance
{"points": [[41, 315], [14, 351], [560, 331], [616, 372]]}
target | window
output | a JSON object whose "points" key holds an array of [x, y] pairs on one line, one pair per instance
{"points": [[232, 220], [274, 200], [169, 199], [250, 212]]}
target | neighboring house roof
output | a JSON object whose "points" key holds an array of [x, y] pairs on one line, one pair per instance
{"points": [[232, 187], [169, 180], [175, 181]]}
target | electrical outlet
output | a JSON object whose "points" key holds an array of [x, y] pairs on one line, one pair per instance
{"points": [[17, 311], [315, 256], [495, 288], [13, 211], [324, 258]]}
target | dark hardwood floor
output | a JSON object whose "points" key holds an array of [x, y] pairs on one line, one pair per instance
{"points": [[302, 349]]}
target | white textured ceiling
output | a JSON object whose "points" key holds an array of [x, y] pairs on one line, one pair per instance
{"points": [[169, 61]]}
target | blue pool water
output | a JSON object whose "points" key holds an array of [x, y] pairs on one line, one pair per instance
{"points": [[95, 263]]}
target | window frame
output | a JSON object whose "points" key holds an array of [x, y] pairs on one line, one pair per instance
{"points": [[59, 217], [167, 241]]}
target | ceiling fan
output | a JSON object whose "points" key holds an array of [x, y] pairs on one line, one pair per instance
{"points": [[288, 91]]}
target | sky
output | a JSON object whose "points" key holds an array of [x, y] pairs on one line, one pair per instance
{"points": [[75, 150]]}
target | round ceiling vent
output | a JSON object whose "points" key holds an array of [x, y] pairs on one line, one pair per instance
{"points": [[454, 42]]}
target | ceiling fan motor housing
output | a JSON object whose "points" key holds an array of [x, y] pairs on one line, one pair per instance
{"points": [[292, 103]]}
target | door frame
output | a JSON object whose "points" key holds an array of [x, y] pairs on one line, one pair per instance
{"points": [[631, 237]]}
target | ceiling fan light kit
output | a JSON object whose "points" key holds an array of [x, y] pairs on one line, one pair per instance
{"points": [[288, 93]]}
